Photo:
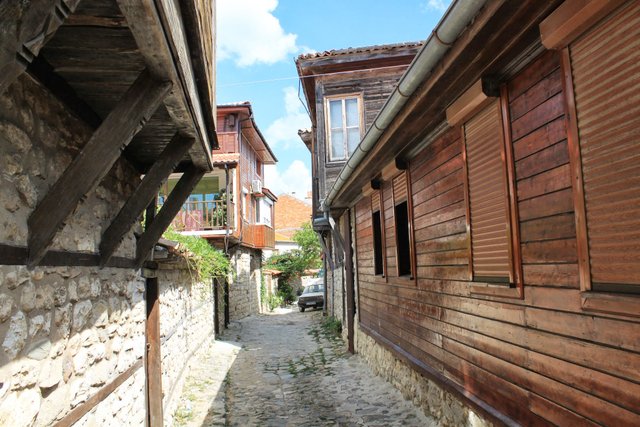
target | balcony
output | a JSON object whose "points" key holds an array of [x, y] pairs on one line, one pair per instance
{"points": [[259, 236], [203, 216]]}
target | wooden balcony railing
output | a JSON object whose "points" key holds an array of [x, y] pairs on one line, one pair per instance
{"points": [[259, 236], [201, 216]]}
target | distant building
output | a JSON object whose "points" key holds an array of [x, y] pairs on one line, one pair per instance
{"points": [[291, 214], [231, 207]]}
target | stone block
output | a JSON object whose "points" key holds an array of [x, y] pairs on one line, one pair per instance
{"points": [[39, 350], [44, 297], [100, 314], [62, 321], [59, 295], [81, 311], [28, 297], [20, 408], [16, 336], [6, 306]]}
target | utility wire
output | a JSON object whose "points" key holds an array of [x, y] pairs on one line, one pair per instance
{"points": [[279, 79]]}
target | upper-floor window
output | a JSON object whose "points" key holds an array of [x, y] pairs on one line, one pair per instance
{"points": [[344, 126]]}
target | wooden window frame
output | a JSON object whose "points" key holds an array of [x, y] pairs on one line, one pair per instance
{"points": [[515, 288], [590, 300], [327, 123], [383, 243], [412, 250]]}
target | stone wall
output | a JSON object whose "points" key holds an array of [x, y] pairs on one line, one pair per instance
{"points": [[244, 287], [186, 325], [431, 398], [66, 333]]}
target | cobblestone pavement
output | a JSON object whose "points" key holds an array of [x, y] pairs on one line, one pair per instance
{"points": [[285, 369]]}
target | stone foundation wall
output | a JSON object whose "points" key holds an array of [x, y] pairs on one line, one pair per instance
{"points": [[433, 400], [65, 334], [186, 325], [244, 288]]}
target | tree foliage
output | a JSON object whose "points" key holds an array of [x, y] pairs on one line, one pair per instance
{"points": [[293, 264]]}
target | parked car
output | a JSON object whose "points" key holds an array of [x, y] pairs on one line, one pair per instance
{"points": [[312, 296]]}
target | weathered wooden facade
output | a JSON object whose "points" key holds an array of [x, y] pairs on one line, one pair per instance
{"points": [[494, 216], [233, 202], [100, 101], [363, 77], [231, 207]]}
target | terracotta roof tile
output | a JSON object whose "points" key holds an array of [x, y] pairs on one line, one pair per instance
{"points": [[364, 49], [223, 158]]}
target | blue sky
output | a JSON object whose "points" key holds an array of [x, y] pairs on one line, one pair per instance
{"points": [[258, 41]]}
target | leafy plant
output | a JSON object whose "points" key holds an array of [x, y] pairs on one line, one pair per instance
{"points": [[274, 301], [207, 261], [293, 264]]}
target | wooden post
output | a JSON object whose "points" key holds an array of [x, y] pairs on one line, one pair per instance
{"points": [[348, 267], [147, 190], [168, 211], [94, 161], [154, 357], [25, 27]]}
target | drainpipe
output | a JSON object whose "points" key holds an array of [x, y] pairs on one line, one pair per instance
{"points": [[460, 14]]}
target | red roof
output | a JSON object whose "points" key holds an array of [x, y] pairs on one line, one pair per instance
{"points": [[222, 158], [364, 49]]}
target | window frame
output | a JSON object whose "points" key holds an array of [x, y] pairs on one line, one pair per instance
{"points": [[412, 276], [342, 97], [592, 300], [515, 286], [383, 246]]}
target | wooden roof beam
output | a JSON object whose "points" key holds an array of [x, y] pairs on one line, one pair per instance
{"points": [[169, 209], [144, 194], [94, 162], [159, 33], [25, 27]]}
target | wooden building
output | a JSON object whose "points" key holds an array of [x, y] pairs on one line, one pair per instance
{"points": [[491, 220], [100, 101], [344, 90], [231, 207]]}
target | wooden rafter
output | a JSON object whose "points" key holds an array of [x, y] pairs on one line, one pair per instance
{"points": [[25, 27], [94, 161], [143, 195], [169, 209]]}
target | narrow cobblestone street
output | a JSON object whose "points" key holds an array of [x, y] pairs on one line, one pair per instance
{"points": [[285, 369]]}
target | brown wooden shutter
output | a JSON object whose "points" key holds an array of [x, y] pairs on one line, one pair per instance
{"points": [[488, 197], [606, 75], [400, 188], [375, 201]]}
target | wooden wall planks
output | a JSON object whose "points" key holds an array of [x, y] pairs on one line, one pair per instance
{"points": [[541, 360]]}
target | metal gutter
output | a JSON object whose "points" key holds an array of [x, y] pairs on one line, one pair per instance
{"points": [[459, 15]]}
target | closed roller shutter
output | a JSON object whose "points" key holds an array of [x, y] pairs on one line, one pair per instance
{"points": [[606, 75], [488, 199], [375, 201], [400, 188]]}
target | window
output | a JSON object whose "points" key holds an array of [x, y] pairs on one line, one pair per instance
{"points": [[492, 223], [377, 222], [603, 93], [343, 127], [256, 209], [488, 198], [258, 167], [403, 226]]}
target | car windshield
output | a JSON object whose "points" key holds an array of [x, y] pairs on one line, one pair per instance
{"points": [[313, 288]]}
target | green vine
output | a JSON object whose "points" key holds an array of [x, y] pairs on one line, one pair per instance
{"points": [[207, 261]]}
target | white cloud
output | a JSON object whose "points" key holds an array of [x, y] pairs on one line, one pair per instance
{"points": [[250, 34], [296, 178], [438, 5], [283, 132]]}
